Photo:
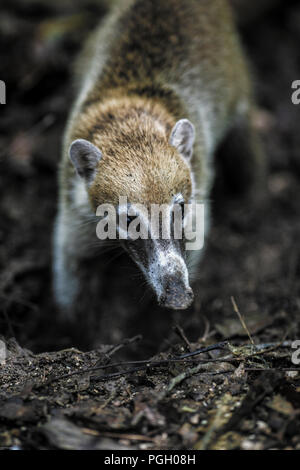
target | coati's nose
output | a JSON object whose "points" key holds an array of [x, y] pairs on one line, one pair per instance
{"points": [[176, 295]]}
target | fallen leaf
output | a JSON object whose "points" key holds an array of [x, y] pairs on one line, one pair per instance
{"points": [[281, 405], [232, 326]]}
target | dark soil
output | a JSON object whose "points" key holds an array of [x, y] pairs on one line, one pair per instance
{"points": [[252, 258]]}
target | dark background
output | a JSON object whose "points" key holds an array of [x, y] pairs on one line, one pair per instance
{"points": [[57, 400], [253, 258]]}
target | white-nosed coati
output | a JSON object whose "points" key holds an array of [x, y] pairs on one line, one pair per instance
{"points": [[160, 84]]}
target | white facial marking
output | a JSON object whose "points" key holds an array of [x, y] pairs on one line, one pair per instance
{"points": [[128, 231], [80, 195], [166, 262]]}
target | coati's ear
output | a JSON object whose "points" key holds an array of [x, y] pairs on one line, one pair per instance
{"points": [[183, 137], [85, 157]]}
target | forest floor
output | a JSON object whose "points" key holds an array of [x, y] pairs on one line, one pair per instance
{"points": [[134, 383]]}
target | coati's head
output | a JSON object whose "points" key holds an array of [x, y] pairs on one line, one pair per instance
{"points": [[144, 159]]}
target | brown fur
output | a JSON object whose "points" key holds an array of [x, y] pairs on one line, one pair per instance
{"points": [[138, 161], [150, 64], [149, 45]]}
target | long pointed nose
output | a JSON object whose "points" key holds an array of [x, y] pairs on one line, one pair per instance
{"points": [[169, 277], [175, 293]]}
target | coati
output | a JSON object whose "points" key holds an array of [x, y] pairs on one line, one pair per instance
{"points": [[159, 85]]}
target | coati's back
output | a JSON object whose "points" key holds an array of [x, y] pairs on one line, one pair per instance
{"points": [[183, 53]]}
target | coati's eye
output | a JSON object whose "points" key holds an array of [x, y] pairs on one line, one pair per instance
{"points": [[178, 211], [130, 218], [182, 209], [177, 214]]}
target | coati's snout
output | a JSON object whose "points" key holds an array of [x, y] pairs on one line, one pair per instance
{"points": [[163, 265], [168, 275], [176, 295]]}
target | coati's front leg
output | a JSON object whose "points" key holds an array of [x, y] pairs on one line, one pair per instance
{"points": [[65, 266], [244, 161], [77, 274]]}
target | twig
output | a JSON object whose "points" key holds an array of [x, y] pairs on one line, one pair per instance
{"points": [[129, 437], [264, 385], [284, 369], [146, 364], [235, 307], [206, 333], [221, 345], [271, 346], [109, 400], [185, 375], [208, 437], [180, 378], [117, 374], [116, 348], [182, 335]]}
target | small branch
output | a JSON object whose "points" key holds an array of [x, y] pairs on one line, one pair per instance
{"points": [[113, 435], [124, 343], [206, 333], [116, 348], [147, 364], [213, 347], [235, 307], [182, 335], [180, 378]]}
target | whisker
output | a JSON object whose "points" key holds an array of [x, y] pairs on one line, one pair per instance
{"points": [[112, 259], [147, 291]]}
